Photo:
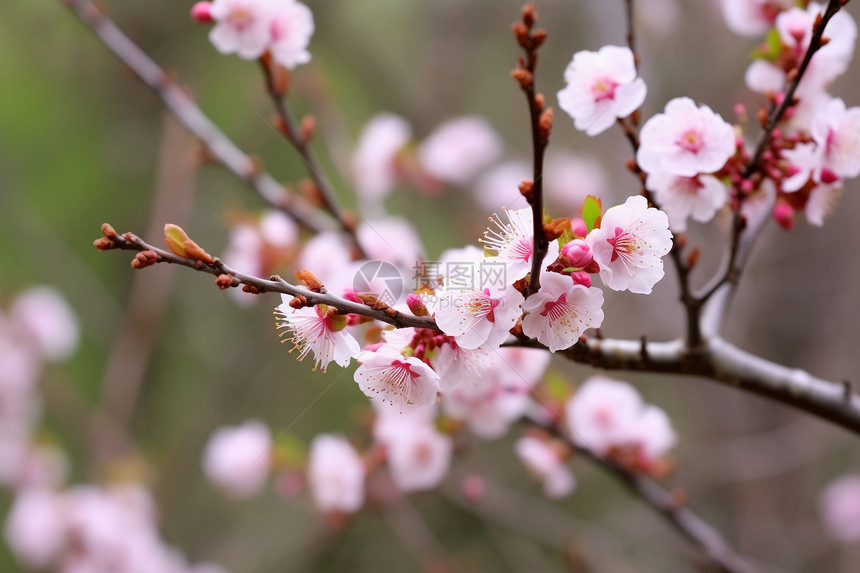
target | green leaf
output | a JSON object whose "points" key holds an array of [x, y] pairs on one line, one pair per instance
{"points": [[770, 49], [591, 211]]}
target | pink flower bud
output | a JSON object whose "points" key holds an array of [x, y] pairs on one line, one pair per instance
{"points": [[784, 215], [578, 227], [581, 278], [747, 186], [740, 109], [578, 253], [474, 487], [828, 176], [416, 305], [202, 13]]}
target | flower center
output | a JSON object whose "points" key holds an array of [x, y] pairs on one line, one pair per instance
{"points": [[240, 17], [555, 309], [604, 89], [623, 244], [691, 140]]}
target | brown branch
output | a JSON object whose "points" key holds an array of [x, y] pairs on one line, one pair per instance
{"points": [[182, 106], [731, 272], [300, 141], [727, 364], [673, 510], [541, 125], [228, 277]]}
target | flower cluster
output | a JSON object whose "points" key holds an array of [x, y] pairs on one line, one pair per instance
{"points": [[250, 28], [49, 526]]}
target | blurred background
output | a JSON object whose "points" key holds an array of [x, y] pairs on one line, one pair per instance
{"points": [[166, 358]]}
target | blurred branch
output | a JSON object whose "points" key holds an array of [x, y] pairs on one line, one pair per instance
{"points": [[530, 40], [409, 526], [182, 105], [670, 506], [147, 302], [300, 138]]}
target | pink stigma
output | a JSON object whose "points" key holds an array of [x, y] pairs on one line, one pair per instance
{"points": [[691, 140]]}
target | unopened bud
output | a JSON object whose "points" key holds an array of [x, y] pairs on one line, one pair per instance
{"points": [[784, 215], [250, 289], [474, 488], [144, 259], [523, 77], [529, 14], [308, 127], [578, 227], [416, 305], [103, 244], [538, 38], [556, 228], [581, 278], [527, 190], [308, 279], [828, 176], [109, 231], [521, 31], [202, 12], [693, 258], [372, 301], [540, 100], [224, 281], [545, 123], [577, 253]]}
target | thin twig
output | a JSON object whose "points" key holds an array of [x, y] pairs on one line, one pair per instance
{"points": [[541, 125], [131, 242], [730, 274], [300, 142], [673, 510], [182, 105]]}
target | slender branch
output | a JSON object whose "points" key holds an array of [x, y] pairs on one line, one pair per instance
{"points": [[182, 105], [731, 271], [541, 125], [631, 31], [301, 143], [673, 510], [778, 112], [234, 278]]}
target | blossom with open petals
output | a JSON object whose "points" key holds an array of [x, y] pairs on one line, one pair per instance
{"points": [[237, 459], [400, 381], [478, 317], [685, 140], [680, 197], [840, 508], [561, 311], [459, 149], [629, 245], [601, 87], [546, 465], [335, 474], [317, 329]]}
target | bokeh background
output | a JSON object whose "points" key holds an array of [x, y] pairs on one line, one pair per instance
{"points": [[166, 357]]}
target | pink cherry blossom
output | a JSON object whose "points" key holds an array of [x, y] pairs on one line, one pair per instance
{"points": [[418, 457], [459, 149], [836, 131], [373, 162], [498, 187], [601, 87], [546, 465], [603, 413], [561, 311], [237, 459], [392, 239], [458, 366], [500, 396], [478, 317], [35, 529], [513, 242], [45, 319], [403, 382], [822, 202], [685, 140], [326, 255], [291, 28], [242, 27], [680, 197], [569, 179], [752, 17], [335, 475], [839, 505], [316, 329], [652, 434], [629, 245]]}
